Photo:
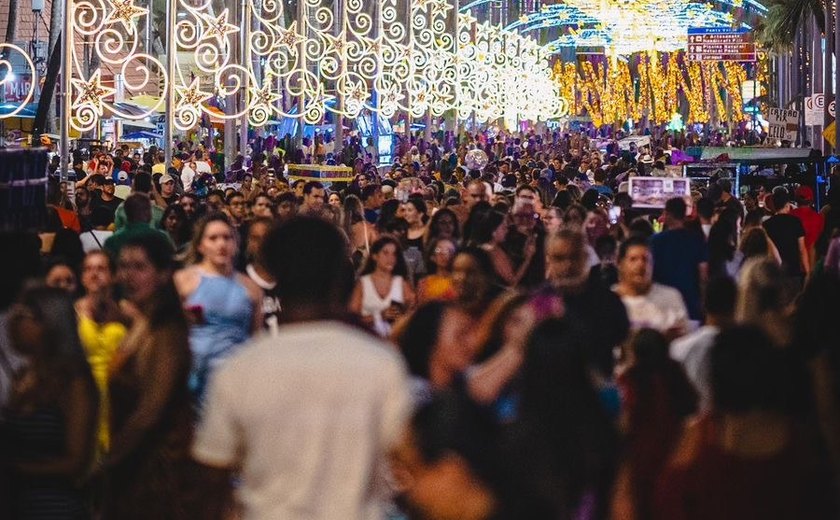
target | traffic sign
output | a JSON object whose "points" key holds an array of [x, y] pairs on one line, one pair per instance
{"points": [[720, 44], [829, 134], [814, 110]]}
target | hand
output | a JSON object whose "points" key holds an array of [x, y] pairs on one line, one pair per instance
{"points": [[392, 313], [675, 332], [531, 247]]}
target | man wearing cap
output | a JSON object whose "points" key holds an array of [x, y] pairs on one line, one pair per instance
{"points": [[812, 221], [106, 198], [167, 190]]}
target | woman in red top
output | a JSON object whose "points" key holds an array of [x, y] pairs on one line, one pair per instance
{"points": [[747, 459]]}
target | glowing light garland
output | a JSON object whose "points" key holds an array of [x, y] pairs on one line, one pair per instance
{"points": [[113, 27], [345, 58], [624, 27], [652, 85]]}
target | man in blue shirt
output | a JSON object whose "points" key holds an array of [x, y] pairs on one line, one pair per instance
{"points": [[680, 257]]}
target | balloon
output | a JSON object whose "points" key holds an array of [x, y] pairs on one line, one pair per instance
{"points": [[476, 160]]}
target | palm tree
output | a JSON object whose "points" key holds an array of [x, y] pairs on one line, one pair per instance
{"points": [[784, 20]]}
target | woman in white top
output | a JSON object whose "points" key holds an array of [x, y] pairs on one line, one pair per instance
{"points": [[382, 293]]}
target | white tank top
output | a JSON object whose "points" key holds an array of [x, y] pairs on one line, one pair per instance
{"points": [[374, 305]]}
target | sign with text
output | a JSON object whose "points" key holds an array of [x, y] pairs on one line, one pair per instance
{"points": [[815, 110], [784, 124], [720, 44], [654, 192]]}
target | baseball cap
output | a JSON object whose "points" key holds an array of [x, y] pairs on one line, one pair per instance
{"points": [[804, 193], [166, 178]]}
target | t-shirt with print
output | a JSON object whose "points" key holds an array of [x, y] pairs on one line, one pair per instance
{"points": [[662, 308]]}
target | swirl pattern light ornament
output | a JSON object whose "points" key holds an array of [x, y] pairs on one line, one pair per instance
{"points": [[207, 37], [503, 75], [346, 57], [112, 28], [6, 65]]}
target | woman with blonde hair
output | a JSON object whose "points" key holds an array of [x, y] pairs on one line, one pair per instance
{"points": [[756, 244], [765, 300]]}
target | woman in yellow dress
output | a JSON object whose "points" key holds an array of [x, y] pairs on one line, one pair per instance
{"points": [[102, 327]]}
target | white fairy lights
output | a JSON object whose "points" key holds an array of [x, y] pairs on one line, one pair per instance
{"points": [[346, 58]]}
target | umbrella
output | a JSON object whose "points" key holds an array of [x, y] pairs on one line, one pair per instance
{"points": [[141, 135]]}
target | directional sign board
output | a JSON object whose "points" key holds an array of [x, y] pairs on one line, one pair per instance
{"points": [[784, 124], [720, 44]]}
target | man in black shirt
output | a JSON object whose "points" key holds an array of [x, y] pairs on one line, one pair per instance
{"points": [[727, 201], [106, 198], [787, 233], [596, 309]]}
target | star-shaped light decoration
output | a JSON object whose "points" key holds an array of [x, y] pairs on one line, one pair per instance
{"points": [[290, 37], [192, 95], [390, 96], [357, 92], [92, 92], [124, 12], [334, 43], [264, 96], [421, 4], [374, 45], [219, 27], [440, 8]]}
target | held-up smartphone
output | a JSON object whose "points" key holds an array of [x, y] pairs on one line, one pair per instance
{"points": [[398, 307], [615, 213], [195, 314]]}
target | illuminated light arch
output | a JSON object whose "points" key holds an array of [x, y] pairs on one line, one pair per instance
{"points": [[113, 27], [361, 58]]}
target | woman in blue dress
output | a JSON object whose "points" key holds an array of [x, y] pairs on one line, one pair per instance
{"points": [[224, 306]]}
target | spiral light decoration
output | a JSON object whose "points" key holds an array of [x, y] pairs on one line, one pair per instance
{"points": [[112, 26], [385, 57]]}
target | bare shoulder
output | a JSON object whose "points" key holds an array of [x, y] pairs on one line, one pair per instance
{"points": [[186, 280], [253, 289]]}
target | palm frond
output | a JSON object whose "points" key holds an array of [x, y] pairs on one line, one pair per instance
{"points": [[784, 20]]}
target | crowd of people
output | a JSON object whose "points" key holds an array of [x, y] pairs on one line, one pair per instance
{"points": [[430, 341]]}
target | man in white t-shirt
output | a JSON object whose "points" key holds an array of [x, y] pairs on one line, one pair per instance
{"points": [[648, 304], [308, 416], [693, 351], [194, 168]]}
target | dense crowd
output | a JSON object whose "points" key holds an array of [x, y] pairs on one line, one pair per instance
{"points": [[438, 339]]}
